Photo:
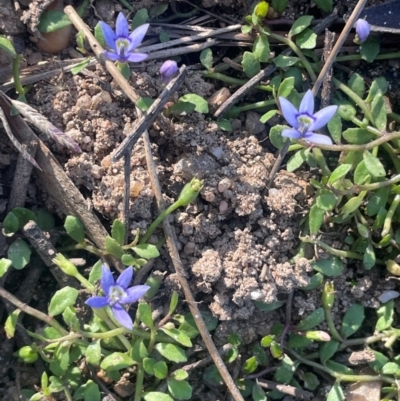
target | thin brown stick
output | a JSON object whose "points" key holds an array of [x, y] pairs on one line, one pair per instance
{"points": [[338, 45]]}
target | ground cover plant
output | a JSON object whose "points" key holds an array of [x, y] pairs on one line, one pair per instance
{"points": [[215, 212]]}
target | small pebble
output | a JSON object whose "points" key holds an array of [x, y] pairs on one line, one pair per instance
{"points": [[224, 184], [388, 296], [223, 206]]}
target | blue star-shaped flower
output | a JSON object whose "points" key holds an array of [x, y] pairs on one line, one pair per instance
{"points": [[362, 29], [117, 294], [122, 45], [304, 121]]}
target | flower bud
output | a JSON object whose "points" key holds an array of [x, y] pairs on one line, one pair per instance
{"points": [[190, 192], [328, 295], [168, 71], [27, 354], [362, 29], [318, 335], [393, 267], [65, 265]]}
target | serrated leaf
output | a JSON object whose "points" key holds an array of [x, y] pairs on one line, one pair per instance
{"points": [[331, 267], [113, 247], [206, 58], [251, 64], [373, 165], [300, 25], [352, 320], [312, 320], [116, 361], [62, 299], [171, 352], [201, 105], [147, 251], [19, 253], [74, 228]]}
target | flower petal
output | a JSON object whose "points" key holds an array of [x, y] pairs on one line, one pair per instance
{"points": [[137, 36], [362, 29], [109, 35], [318, 138], [322, 117], [97, 302], [122, 316], [289, 112], [137, 57], [291, 133], [122, 26], [111, 55], [134, 293], [107, 279], [125, 277], [168, 70], [307, 103]]}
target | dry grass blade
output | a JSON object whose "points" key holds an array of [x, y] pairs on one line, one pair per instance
{"points": [[41, 122], [15, 142]]}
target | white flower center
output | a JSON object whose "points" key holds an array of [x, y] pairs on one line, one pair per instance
{"points": [[304, 121], [122, 45], [115, 294]]}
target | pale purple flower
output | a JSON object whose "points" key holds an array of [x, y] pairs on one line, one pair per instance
{"points": [[122, 45], [117, 294], [362, 29], [304, 121], [168, 70]]}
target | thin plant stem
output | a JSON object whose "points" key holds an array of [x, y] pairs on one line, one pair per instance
{"points": [[233, 81], [139, 382], [17, 80], [387, 225], [321, 162], [352, 57]]}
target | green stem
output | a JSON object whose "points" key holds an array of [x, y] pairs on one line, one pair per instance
{"points": [[139, 382], [82, 245], [68, 395], [153, 333], [17, 80], [86, 283], [387, 225], [331, 325], [387, 56], [321, 162], [256, 105]]}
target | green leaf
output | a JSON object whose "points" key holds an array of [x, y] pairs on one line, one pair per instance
{"points": [[144, 311], [95, 272], [357, 136], [250, 365], [370, 49], [160, 370], [148, 365], [45, 220], [257, 393], [147, 251], [4, 266], [70, 318], [352, 320], [380, 361], [260, 354], [312, 320], [62, 299], [315, 219], [377, 201], [306, 39], [180, 390], [144, 103], [326, 200], [189, 325], [7, 46], [379, 86], [338, 173], [118, 231], [10, 225], [361, 173], [261, 48], [116, 361], [225, 125], [98, 34], [268, 115], [74, 228], [300, 25], [173, 303], [339, 368], [113, 247], [296, 160], [179, 336], [369, 258], [327, 350], [335, 128], [390, 368], [286, 87], [385, 316], [275, 136], [352, 205], [268, 307], [373, 165], [179, 374], [357, 84], [181, 108], [91, 392], [157, 10], [201, 105], [282, 61], [311, 381], [379, 112], [251, 64], [279, 6], [157, 396], [315, 282], [80, 66], [171, 352], [298, 341], [139, 350], [93, 353], [331, 267], [284, 373], [11, 323], [19, 253], [24, 215], [52, 20], [206, 58], [140, 18], [336, 392]]}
